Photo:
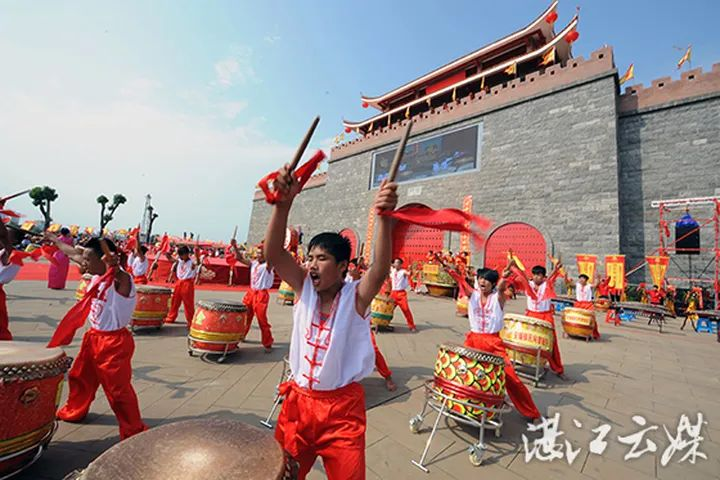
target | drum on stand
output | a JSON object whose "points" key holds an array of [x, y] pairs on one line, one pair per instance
{"points": [[286, 295], [151, 307], [524, 336], [461, 306], [602, 304], [216, 328], [578, 322], [31, 378], [211, 449], [82, 286], [381, 312]]}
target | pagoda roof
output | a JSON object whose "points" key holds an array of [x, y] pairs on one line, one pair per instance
{"points": [[563, 52], [539, 24]]}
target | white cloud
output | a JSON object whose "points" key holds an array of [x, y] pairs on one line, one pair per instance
{"points": [[237, 69], [271, 39], [201, 175], [232, 109], [139, 88]]}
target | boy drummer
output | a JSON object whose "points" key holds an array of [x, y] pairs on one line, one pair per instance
{"points": [[331, 348], [184, 269]]}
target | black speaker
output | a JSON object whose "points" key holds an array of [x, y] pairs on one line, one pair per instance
{"points": [[690, 244]]}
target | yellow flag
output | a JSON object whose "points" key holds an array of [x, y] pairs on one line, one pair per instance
{"points": [[482, 83], [370, 127], [549, 57], [512, 256], [512, 69], [685, 58], [407, 112], [629, 74], [429, 104], [454, 97]]}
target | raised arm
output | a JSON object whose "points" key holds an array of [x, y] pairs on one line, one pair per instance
{"points": [[138, 247], [277, 257], [373, 279], [73, 253], [461, 281]]}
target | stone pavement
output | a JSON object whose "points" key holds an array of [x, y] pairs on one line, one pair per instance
{"points": [[633, 370]]}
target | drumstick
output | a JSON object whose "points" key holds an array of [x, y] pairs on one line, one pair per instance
{"points": [[301, 149], [14, 195], [399, 154]]}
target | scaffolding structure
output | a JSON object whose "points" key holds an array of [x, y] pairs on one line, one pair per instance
{"points": [[665, 207]]}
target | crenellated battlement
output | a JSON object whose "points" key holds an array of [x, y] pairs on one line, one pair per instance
{"points": [[533, 84], [692, 83]]}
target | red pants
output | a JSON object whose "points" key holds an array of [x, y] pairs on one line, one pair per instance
{"points": [[400, 297], [104, 359], [184, 292], [330, 424], [4, 318], [257, 302], [517, 391], [380, 363], [141, 280], [556, 364], [589, 306]]}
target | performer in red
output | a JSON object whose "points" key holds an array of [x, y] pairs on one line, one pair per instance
{"points": [[485, 312], [184, 269], [539, 291], [584, 298], [138, 262], [107, 347], [656, 295], [231, 258], [399, 278], [603, 288], [257, 298], [10, 263], [331, 347]]}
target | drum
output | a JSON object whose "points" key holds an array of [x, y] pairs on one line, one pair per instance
{"points": [[82, 286], [461, 307], [286, 295], [151, 307], [381, 311], [472, 376], [217, 327], [523, 336], [602, 304], [578, 322], [31, 378], [211, 449]]}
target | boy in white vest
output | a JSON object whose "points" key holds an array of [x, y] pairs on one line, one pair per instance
{"points": [[184, 269], [330, 349]]}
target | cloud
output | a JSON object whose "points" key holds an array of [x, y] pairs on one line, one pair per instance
{"points": [[201, 175], [237, 69], [272, 39], [232, 109], [139, 88]]}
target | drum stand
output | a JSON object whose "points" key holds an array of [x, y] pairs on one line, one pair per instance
{"points": [[438, 401], [538, 371], [285, 376], [192, 350], [41, 446]]}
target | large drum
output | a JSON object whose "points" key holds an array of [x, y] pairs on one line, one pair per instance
{"points": [[602, 304], [82, 286], [217, 327], [151, 307], [461, 306], [472, 376], [524, 336], [578, 322], [31, 378], [211, 449], [381, 311], [286, 295]]}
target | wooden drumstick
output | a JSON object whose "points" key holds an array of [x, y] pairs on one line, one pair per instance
{"points": [[304, 144], [399, 154], [14, 195]]}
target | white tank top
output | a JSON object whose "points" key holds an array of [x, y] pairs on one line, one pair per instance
{"points": [[399, 279], [110, 310], [487, 318], [185, 270], [329, 354], [261, 278], [139, 267], [583, 293], [538, 305], [8, 272]]}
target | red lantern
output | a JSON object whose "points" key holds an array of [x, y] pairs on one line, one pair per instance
{"points": [[365, 104], [551, 17], [347, 129], [572, 36]]}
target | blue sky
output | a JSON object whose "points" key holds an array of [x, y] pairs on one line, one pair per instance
{"points": [[193, 102]]}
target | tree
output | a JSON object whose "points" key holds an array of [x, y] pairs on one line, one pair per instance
{"points": [[105, 218], [151, 219], [42, 197]]}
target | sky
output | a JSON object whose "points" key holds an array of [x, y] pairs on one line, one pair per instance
{"points": [[193, 102]]}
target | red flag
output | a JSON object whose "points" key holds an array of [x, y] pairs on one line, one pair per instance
{"points": [[164, 244], [303, 174], [132, 239], [17, 256], [10, 213], [446, 219], [75, 317], [48, 251]]}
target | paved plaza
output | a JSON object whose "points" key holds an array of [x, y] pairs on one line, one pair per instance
{"points": [[632, 371]]}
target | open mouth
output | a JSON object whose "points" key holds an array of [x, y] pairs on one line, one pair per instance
{"points": [[315, 278]]}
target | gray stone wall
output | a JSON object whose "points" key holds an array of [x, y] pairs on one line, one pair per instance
{"points": [[550, 161], [667, 152]]}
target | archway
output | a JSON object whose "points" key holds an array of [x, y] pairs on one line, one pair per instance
{"points": [[525, 241], [412, 242], [352, 237]]}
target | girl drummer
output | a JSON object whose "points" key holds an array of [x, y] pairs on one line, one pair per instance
{"points": [[485, 312]]}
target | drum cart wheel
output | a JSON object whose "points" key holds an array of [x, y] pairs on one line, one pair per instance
{"points": [[204, 353], [437, 401], [285, 376]]}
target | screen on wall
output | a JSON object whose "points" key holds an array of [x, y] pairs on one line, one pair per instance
{"points": [[452, 152]]}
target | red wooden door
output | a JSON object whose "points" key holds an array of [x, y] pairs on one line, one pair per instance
{"points": [[525, 240], [350, 235]]}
